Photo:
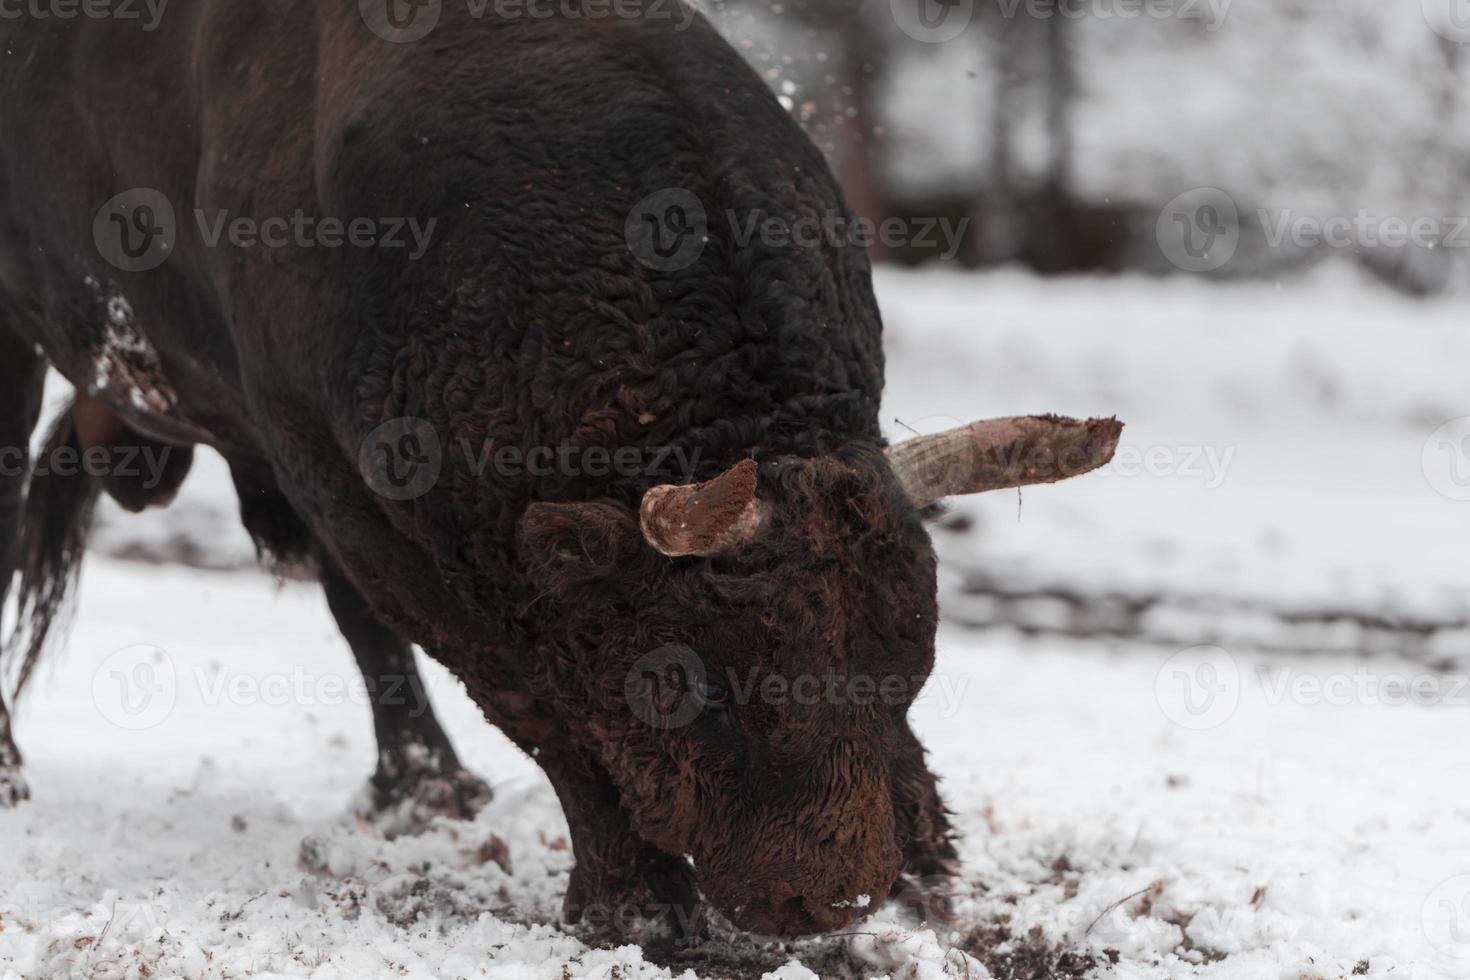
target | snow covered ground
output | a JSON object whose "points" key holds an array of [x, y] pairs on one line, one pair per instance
{"points": [[1221, 796]]}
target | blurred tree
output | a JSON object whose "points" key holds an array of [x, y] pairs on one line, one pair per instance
{"points": [[826, 59], [1063, 135], [1027, 208]]}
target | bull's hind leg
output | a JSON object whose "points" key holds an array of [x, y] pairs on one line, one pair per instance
{"points": [[22, 379], [419, 776]]}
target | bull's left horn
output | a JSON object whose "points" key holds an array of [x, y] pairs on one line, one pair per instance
{"points": [[706, 519], [1002, 454]]}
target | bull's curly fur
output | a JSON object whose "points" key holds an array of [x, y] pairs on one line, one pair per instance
{"points": [[530, 323]]}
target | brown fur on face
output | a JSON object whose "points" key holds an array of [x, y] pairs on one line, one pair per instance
{"points": [[781, 782]]}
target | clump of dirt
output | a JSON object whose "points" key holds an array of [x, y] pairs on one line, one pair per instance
{"points": [[1006, 956], [743, 958], [1032, 957]]}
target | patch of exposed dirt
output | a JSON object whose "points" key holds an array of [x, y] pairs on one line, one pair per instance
{"points": [[1030, 957]]}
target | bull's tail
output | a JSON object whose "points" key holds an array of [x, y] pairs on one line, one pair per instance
{"points": [[58, 516]]}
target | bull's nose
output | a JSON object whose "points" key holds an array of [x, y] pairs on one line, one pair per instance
{"points": [[789, 912], [799, 916], [830, 918]]}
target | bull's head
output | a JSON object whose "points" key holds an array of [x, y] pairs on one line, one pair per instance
{"points": [[743, 653]]}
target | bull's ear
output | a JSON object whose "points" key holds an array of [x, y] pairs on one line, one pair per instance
{"points": [[564, 544]]}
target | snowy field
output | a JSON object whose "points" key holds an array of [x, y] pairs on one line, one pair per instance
{"points": [[1198, 715]]}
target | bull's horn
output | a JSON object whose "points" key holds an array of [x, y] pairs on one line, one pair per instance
{"points": [[1002, 454], [706, 519]]}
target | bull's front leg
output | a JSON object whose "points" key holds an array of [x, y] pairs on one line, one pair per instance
{"points": [[419, 776], [621, 883], [930, 861]]}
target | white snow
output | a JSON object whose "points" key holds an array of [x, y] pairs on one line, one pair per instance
{"points": [[1202, 810]]}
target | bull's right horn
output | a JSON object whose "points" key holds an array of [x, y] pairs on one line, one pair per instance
{"points": [[1002, 454]]}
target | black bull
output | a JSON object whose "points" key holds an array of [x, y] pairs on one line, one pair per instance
{"points": [[450, 289]]}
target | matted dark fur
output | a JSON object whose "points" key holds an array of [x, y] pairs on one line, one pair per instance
{"points": [[528, 323]]}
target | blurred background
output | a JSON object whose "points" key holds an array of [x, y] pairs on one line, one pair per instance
{"points": [[1061, 128]]}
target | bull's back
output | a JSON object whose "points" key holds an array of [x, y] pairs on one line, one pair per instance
{"points": [[108, 124], [529, 143]]}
